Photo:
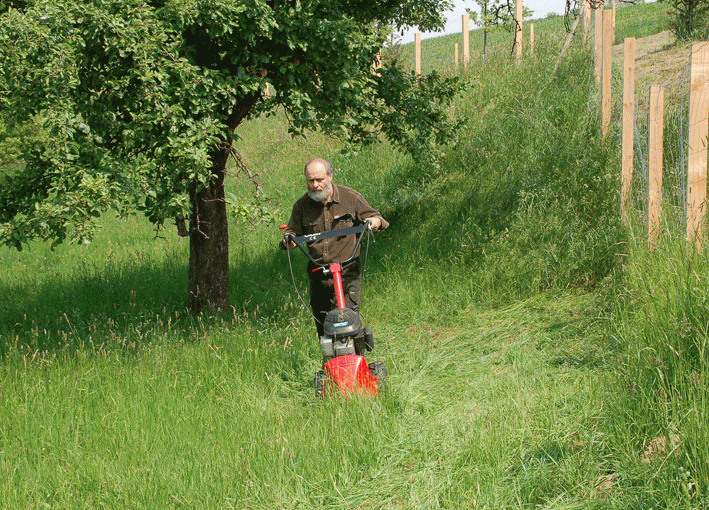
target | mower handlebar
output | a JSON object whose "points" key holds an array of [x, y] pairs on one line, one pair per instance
{"points": [[310, 238]]}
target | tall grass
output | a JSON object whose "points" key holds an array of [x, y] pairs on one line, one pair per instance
{"points": [[660, 324], [525, 200], [661, 321], [640, 20]]}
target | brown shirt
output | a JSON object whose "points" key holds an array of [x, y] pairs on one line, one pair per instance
{"points": [[346, 208]]}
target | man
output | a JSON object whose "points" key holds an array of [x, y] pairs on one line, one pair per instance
{"points": [[327, 206]]}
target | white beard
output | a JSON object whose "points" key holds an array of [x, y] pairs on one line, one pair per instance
{"points": [[321, 195]]}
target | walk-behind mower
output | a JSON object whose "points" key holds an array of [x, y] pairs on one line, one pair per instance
{"points": [[345, 369]]}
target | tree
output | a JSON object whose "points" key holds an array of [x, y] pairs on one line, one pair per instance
{"points": [[494, 15], [689, 19], [393, 51], [140, 100]]}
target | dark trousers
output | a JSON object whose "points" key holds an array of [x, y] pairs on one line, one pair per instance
{"points": [[322, 291]]}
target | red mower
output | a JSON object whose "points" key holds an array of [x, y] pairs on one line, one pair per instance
{"points": [[345, 369]]}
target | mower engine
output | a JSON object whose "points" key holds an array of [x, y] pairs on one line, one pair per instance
{"points": [[345, 369], [344, 334]]}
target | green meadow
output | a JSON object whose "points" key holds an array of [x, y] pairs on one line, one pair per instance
{"points": [[539, 356]]}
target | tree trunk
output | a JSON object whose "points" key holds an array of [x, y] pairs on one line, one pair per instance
{"points": [[208, 284], [209, 243]]}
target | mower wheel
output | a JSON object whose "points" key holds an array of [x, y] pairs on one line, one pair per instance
{"points": [[368, 339], [379, 370]]}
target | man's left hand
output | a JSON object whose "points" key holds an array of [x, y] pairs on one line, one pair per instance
{"points": [[375, 224]]}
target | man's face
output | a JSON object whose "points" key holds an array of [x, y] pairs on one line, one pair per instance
{"points": [[318, 181]]}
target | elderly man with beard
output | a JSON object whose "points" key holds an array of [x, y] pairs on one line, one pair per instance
{"points": [[327, 206]]}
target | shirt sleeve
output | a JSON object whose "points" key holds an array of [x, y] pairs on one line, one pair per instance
{"points": [[295, 224], [365, 211]]}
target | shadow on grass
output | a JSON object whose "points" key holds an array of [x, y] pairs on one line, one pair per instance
{"points": [[131, 301], [94, 298]]}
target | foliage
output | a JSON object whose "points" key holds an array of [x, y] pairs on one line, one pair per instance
{"points": [[417, 117], [496, 14], [12, 138], [5, 5], [254, 212], [688, 19], [135, 99], [393, 51]]}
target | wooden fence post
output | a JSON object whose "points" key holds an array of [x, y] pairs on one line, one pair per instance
{"points": [[656, 133], [466, 41], [628, 138], [531, 38], [606, 71], [586, 8], [518, 30], [417, 53], [698, 132], [597, 40]]}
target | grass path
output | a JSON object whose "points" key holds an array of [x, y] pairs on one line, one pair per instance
{"points": [[498, 409]]}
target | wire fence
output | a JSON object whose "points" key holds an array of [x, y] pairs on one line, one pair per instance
{"points": [[661, 67]]}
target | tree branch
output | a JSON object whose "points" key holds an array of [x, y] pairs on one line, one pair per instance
{"points": [[241, 164]]}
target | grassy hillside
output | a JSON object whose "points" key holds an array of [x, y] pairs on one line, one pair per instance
{"points": [[437, 53], [531, 365]]}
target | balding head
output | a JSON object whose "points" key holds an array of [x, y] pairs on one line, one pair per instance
{"points": [[319, 163]]}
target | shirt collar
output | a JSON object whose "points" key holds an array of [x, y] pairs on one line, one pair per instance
{"points": [[335, 194]]}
